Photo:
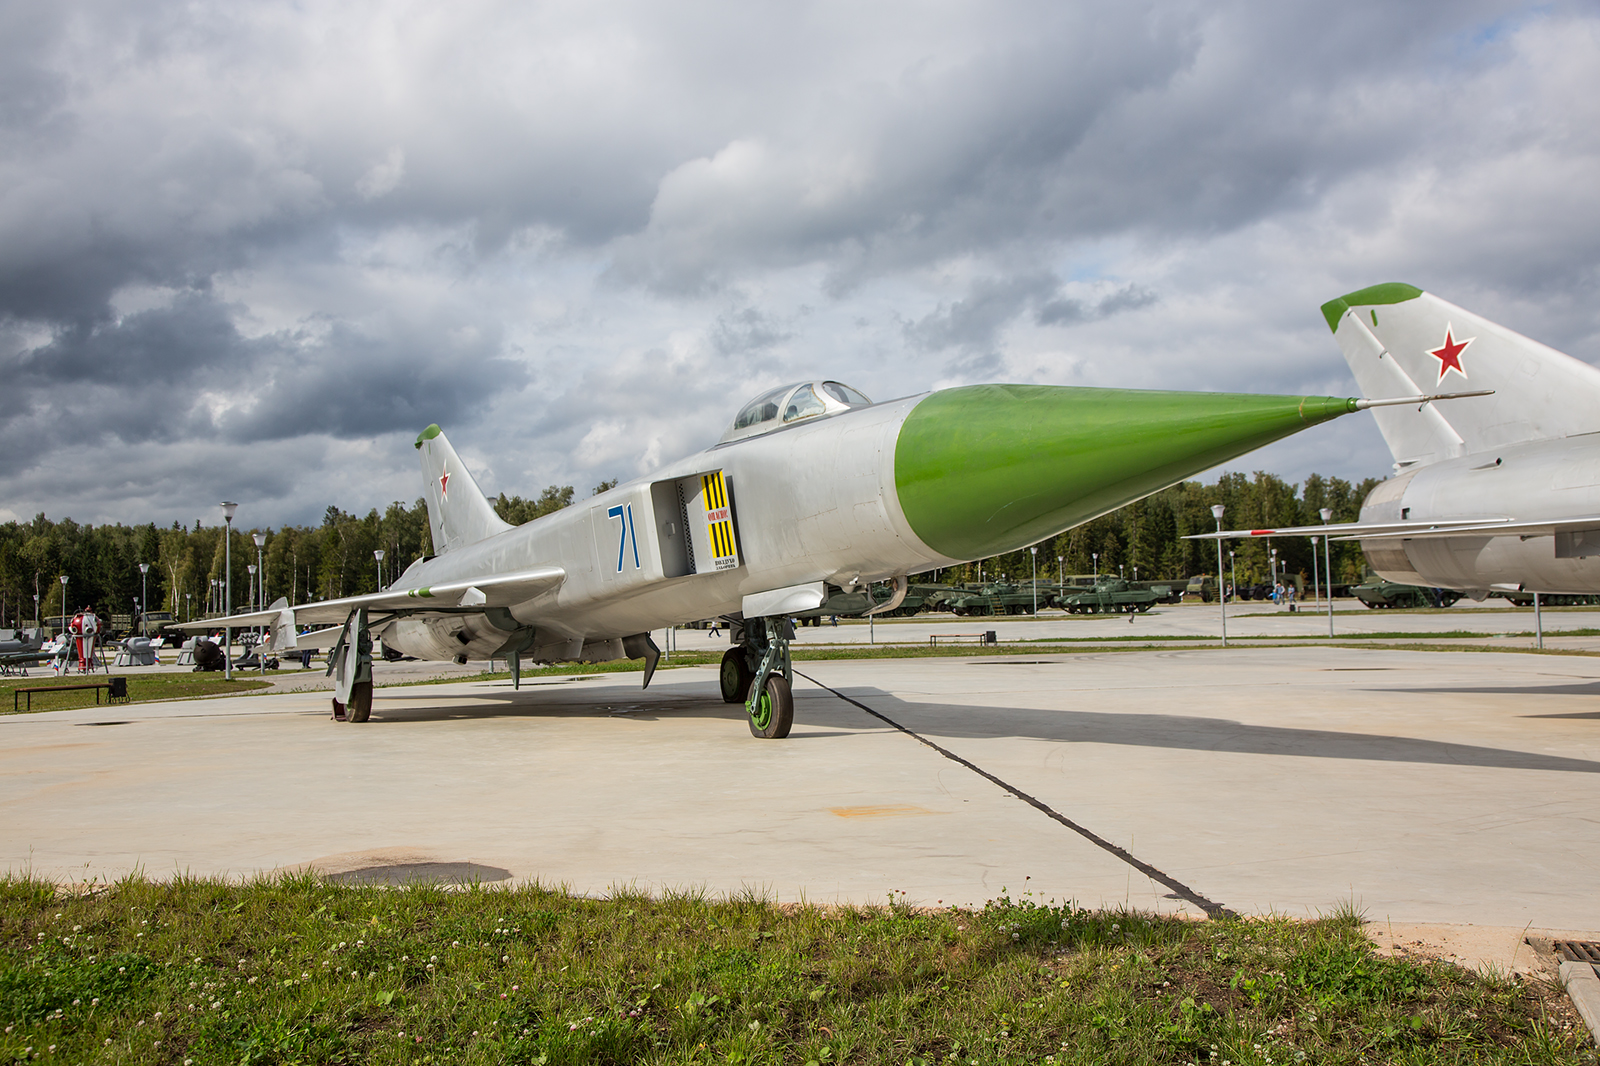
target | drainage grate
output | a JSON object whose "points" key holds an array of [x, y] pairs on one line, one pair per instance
{"points": [[1578, 950]]}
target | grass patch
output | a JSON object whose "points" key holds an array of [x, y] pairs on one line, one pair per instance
{"points": [[142, 688], [295, 970]]}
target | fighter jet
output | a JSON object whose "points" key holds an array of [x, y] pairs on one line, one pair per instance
{"points": [[812, 489], [1499, 493]]}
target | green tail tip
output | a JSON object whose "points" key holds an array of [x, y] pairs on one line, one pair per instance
{"points": [[1390, 292], [428, 434]]}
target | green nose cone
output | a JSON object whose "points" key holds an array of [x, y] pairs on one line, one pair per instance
{"points": [[992, 468]]}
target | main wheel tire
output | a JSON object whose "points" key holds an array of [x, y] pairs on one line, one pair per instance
{"points": [[735, 676], [360, 708], [774, 713]]}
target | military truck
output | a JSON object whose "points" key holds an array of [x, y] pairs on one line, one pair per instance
{"points": [[1378, 593], [1112, 597]]}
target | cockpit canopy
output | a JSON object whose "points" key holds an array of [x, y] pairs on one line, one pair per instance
{"points": [[793, 403]]}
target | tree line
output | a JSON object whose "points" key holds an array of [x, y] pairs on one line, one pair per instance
{"points": [[1145, 539], [334, 559]]}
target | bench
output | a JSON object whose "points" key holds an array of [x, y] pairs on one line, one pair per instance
{"points": [[116, 689], [987, 637]]}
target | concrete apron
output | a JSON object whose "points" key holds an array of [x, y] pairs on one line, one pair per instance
{"points": [[1438, 788]]}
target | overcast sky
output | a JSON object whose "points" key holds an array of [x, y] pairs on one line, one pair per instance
{"points": [[250, 250]]}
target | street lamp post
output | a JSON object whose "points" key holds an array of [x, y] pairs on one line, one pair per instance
{"points": [[1316, 582], [261, 564], [188, 606], [1216, 512], [1034, 552], [63, 602], [378, 555], [1327, 564], [251, 570], [1061, 576], [1233, 574], [228, 509], [144, 598], [36, 610], [1096, 557]]}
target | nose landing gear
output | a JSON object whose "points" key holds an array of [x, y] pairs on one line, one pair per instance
{"points": [[758, 673]]}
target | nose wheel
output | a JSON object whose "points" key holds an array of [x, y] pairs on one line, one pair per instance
{"points": [[771, 711], [758, 673]]}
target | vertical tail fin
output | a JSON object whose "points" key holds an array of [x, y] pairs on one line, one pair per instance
{"points": [[458, 513], [1402, 341]]}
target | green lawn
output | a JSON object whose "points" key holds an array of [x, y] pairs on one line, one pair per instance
{"points": [[141, 689], [300, 971]]}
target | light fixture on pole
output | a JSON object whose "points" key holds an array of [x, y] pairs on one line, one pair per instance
{"points": [[63, 603], [261, 565], [378, 555], [1096, 557], [1061, 577], [188, 607], [1274, 573], [1327, 564], [228, 509], [1233, 574], [36, 610], [1034, 553], [1216, 512], [251, 570], [144, 598]]}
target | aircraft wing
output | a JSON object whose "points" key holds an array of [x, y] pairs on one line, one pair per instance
{"points": [[1455, 527], [456, 597], [238, 621]]}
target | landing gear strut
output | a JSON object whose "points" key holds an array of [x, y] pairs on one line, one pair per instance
{"points": [[350, 663], [758, 673]]}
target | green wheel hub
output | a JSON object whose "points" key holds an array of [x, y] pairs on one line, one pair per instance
{"points": [[762, 715]]}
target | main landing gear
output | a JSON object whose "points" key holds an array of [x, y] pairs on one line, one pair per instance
{"points": [[758, 673], [350, 663]]}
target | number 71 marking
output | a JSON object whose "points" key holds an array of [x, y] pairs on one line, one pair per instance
{"points": [[626, 535]]}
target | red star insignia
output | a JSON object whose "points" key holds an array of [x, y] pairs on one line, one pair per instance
{"points": [[1449, 353], [444, 484]]}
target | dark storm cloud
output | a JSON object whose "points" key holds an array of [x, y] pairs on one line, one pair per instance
{"points": [[186, 372]]}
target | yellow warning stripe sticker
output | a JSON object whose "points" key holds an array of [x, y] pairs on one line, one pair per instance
{"points": [[719, 520]]}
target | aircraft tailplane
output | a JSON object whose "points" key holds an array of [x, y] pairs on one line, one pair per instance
{"points": [[1401, 341], [458, 512]]}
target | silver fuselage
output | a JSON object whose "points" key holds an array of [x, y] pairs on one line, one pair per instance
{"points": [[812, 502], [1531, 481]]}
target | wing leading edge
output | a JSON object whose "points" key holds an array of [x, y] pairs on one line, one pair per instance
{"points": [[455, 597]]}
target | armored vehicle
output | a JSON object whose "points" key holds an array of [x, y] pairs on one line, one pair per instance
{"points": [[1380, 593], [1112, 597], [855, 603], [998, 599]]}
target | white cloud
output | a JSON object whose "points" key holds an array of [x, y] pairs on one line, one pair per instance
{"points": [[581, 234]]}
